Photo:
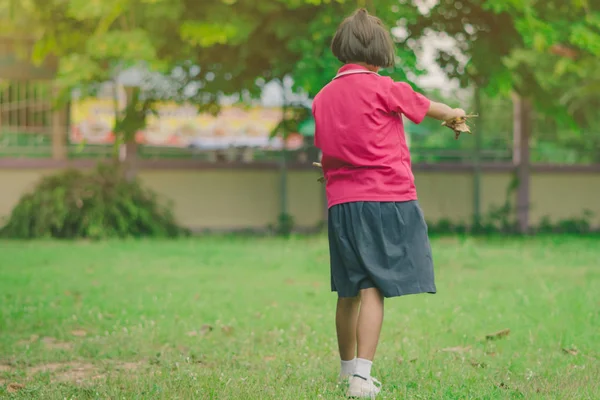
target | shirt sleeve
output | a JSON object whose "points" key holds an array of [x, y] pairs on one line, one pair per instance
{"points": [[404, 100]]}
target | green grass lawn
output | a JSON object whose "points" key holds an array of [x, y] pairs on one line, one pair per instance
{"points": [[252, 318]]}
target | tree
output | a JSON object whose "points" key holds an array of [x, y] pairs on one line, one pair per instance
{"points": [[189, 53], [519, 47], [503, 40], [316, 65]]}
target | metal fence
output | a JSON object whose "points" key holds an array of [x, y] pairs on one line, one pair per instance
{"points": [[28, 120], [25, 118]]}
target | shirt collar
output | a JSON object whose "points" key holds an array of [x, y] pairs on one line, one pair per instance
{"points": [[349, 67]]}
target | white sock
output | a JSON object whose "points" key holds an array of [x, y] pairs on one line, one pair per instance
{"points": [[363, 368], [347, 367]]}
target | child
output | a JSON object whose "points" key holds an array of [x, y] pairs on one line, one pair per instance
{"points": [[377, 234]]}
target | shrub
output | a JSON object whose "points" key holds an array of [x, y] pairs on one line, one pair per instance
{"points": [[98, 204]]}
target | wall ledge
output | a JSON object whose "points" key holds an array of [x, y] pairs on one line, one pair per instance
{"points": [[45, 163]]}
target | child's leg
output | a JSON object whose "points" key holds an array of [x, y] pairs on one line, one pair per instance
{"points": [[370, 319], [346, 319]]}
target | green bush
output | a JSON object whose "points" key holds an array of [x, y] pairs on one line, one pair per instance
{"points": [[498, 222], [98, 204]]}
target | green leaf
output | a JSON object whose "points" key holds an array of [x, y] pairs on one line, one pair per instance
{"points": [[586, 38], [129, 46], [561, 67], [75, 69], [206, 34], [91, 9]]}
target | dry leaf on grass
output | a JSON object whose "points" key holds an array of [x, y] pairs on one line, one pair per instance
{"points": [[204, 329], [192, 333], [478, 364], [571, 351], [269, 358], [228, 330], [498, 335], [76, 295], [457, 349], [14, 387], [79, 333], [401, 360]]}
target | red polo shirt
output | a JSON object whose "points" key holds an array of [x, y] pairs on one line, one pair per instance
{"points": [[359, 130]]}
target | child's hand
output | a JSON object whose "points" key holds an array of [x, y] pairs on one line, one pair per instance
{"points": [[457, 113]]}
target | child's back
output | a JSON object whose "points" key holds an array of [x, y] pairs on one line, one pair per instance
{"points": [[359, 129]]}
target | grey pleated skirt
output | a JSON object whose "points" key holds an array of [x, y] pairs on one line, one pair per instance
{"points": [[381, 245]]}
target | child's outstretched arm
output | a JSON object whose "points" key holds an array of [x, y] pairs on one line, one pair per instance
{"points": [[403, 99], [442, 112]]}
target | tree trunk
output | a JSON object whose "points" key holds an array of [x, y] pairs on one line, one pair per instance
{"points": [[128, 159], [59, 130], [522, 125], [130, 147], [283, 188], [477, 164]]}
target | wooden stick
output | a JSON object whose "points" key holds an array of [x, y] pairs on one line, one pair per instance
{"points": [[318, 165]]}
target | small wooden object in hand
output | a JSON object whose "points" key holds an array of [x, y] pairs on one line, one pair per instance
{"points": [[318, 165], [459, 125]]}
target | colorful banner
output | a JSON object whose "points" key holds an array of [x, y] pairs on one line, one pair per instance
{"points": [[177, 125]]}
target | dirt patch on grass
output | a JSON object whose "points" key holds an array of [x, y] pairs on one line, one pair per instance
{"points": [[32, 339], [54, 344], [75, 372], [49, 342], [4, 368], [129, 366], [14, 387]]}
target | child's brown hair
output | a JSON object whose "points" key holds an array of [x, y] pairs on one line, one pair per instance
{"points": [[363, 38]]}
